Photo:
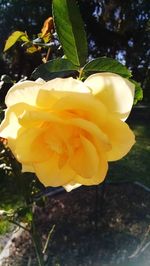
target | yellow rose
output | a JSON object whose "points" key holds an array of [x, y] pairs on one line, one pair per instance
{"points": [[65, 130]]}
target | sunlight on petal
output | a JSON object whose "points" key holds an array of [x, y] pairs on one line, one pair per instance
{"points": [[115, 92], [10, 126], [27, 168], [23, 92], [66, 85], [83, 104], [71, 186], [58, 88]]}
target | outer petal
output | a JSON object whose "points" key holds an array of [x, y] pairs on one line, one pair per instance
{"points": [[23, 92], [66, 85], [115, 92], [41, 94], [71, 186], [10, 127], [27, 168], [120, 136]]}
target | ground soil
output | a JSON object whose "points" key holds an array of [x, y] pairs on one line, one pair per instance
{"points": [[92, 228]]}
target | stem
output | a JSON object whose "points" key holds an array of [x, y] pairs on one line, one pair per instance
{"points": [[47, 55], [36, 242], [48, 239], [80, 73], [96, 207], [38, 255], [102, 197], [18, 224], [99, 209]]}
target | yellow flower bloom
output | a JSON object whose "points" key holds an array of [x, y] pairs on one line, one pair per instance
{"points": [[65, 130]]}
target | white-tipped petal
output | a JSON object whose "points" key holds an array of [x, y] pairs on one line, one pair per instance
{"points": [[71, 186], [23, 92], [116, 92]]}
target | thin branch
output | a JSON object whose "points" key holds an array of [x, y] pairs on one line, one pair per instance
{"points": [[48, 239], [18, 224]]}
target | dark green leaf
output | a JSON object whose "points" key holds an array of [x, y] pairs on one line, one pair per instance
{"points": [[105, 64], [138, 91], [70, 30], [54, 68]]}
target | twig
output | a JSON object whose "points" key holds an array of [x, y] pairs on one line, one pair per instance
{"points": [[48, 239], [48, 54], [19, 225]]}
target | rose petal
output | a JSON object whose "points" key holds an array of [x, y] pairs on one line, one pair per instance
{"points": [[50, 174], [71, 186], [66, 85], [23, 92], [27, 168], [98, 177], [85, 159], [30, 147], [83, 105], [115, 92], [10, 127], [57, 88], [95, 132], [120, 136]]}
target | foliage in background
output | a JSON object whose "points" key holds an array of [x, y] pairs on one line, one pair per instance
{"points": [[113, 29]]}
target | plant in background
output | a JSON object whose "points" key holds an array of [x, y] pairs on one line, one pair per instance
{"points": [[44, 38], [70, 122]]}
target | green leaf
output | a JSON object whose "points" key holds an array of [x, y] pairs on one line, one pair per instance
{"points": [[138, 91], [54, 68], [105, 64], [13, 38], [70, 30], [24, 214], [24, 38]]}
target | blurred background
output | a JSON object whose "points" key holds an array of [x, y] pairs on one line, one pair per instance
{"points": [[115, 28]]}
